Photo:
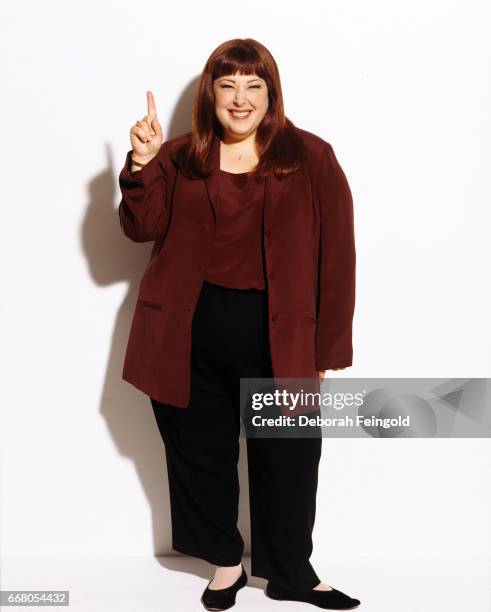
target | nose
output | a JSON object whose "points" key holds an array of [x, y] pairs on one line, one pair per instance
{"points": [[239, 97]]}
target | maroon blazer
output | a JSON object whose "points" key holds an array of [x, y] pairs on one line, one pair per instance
{"points": [[310, 263]]}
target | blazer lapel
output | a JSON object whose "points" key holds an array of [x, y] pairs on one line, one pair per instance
{"points": [[211, 182], [273, 187]]}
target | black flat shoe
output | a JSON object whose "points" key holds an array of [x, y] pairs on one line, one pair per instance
{"points": [[329, 600], [223, 599]]}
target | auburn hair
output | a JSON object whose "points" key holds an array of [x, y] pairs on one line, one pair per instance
{"points": [[280, 148]]}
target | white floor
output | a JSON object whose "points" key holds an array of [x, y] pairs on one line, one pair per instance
{"points": [[175, 583]]}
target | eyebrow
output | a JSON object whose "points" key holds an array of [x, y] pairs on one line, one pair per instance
{"points": [[233, 80]]}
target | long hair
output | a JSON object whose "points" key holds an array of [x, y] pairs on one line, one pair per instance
{"points": [[280, 149]]}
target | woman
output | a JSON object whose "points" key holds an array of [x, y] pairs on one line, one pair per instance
{"points": [[251, 275]]}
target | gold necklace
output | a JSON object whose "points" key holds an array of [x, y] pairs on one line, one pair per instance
{"points": [[233, 152]]}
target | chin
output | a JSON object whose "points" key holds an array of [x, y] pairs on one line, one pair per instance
{"points": [[241, 129]]}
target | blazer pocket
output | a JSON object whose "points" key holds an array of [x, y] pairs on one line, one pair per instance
{"points": [[148, 304]]}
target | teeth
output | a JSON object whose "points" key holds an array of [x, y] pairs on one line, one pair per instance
{"points": [[240, 114]]}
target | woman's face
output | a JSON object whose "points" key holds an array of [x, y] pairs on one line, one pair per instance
{"points": [[241, 92]]}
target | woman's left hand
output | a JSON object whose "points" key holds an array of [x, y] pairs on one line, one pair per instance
{"points": [[322, 374]]}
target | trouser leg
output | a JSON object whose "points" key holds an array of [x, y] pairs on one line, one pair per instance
{"points": [[283, 478], [203, 485], [202, 451], [282, 491]]}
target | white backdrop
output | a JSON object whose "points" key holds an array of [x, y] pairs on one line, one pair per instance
{"points": [[402, 92]]}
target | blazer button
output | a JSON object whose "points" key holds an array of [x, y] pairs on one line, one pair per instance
{"points": [[271, 275], [274, 317]]}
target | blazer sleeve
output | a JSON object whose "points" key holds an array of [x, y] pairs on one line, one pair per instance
{"points": [[142, 210], [337, 264]]}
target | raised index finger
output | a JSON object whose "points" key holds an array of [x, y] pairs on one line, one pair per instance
{"points": [[151, 104]]}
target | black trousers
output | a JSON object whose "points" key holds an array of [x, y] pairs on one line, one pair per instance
{"points": [[230, 341]]}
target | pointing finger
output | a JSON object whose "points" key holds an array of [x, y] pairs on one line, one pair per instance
{"points": [[151, 104]]}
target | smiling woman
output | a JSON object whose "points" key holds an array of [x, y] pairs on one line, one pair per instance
{"points": [[250, 276], [239, 98]]}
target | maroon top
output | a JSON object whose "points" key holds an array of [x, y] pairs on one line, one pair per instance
{"points": [[237, 259]]}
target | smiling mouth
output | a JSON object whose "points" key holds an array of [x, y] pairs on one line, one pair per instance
{"points": [[240, 114]]}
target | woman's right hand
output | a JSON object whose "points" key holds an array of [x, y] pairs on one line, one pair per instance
{"points": [[147, 137]]}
